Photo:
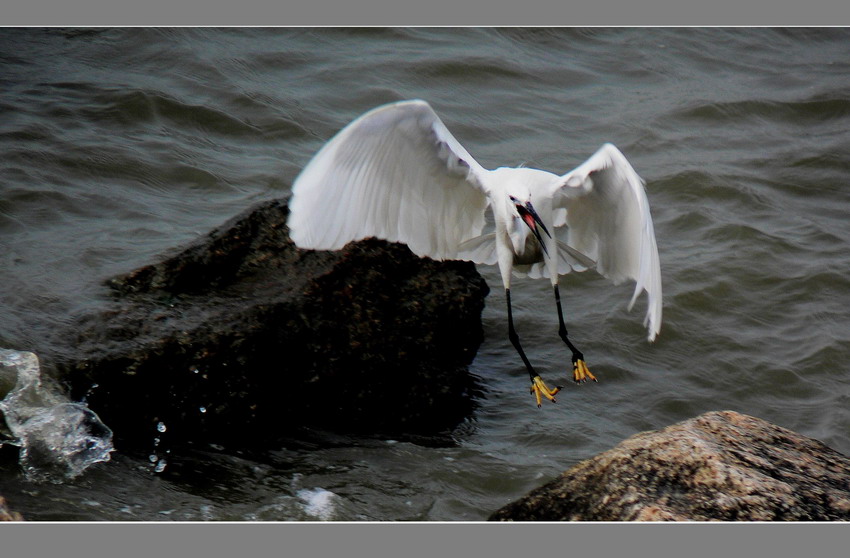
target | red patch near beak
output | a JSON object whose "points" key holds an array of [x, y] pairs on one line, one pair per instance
{"points": [[529, 220]]}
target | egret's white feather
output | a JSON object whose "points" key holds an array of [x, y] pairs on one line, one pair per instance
{"points": [[559, 217], [609, 221], [395, 173], [481, 250]]}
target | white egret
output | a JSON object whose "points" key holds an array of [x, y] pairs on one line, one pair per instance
{"points": [[397, 173]]}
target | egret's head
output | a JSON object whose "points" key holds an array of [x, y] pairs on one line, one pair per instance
{"points": [[525, 211]]}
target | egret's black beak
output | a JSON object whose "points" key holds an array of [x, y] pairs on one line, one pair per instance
{"points": [[533, 221]]}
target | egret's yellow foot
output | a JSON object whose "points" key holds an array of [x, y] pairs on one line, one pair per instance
{"points": [[580, 372], [539, 388]]}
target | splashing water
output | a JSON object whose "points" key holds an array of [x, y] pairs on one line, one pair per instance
{"points": [[58, 439]]}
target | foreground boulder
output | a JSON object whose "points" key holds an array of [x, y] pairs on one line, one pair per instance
{"points": [[242, 337], [718, 466], [6, 514]]}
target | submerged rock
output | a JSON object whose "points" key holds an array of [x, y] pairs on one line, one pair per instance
{"points": [[242, 336], [718, 466]]}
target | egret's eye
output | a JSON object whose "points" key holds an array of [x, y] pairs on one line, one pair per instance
{"points": [[513, 199]]}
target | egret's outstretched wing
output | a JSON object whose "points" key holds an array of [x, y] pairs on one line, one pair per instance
{"points": [[395, 173], [609, 221]]}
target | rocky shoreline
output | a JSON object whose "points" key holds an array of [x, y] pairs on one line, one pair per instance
{"points": [[719, 466], [242, 336]]}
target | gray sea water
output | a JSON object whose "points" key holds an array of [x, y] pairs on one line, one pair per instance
{"points": [[118, 145]]}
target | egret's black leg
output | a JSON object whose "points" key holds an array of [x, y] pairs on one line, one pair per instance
{"points": [[580, 372], [562, 327], [538, 388], [512, 335]]}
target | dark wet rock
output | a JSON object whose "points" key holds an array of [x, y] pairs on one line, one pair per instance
{"points": [[241, 337], [718, 466], [6, 514]]}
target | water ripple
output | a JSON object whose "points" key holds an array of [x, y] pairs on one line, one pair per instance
{"points": [[800, 113]]}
